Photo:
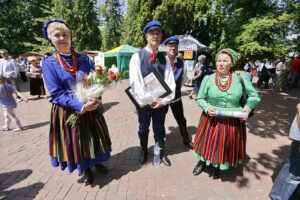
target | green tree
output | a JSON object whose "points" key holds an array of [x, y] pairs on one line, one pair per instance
{"points": [[85, 26], [139, 12], [18, 27], [112, 21], [81, 16]]}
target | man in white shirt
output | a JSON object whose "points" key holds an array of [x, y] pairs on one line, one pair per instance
{"points": [[288, 178], [176, 105], [141, 63], [9, 69]]}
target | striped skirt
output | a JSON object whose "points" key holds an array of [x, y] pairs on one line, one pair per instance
{"points": [[80, 147], [220, 141]]}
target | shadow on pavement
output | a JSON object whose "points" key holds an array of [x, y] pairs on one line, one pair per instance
{"points": [[108, 106], [9, 179], [272, 118], [32, 126], [119, 165], [173, 142]]}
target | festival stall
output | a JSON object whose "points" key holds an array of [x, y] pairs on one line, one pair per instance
{"points": [[96, 56], [120, 57], [35, 54]]}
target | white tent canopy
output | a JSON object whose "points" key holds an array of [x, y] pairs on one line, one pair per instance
{"points": [[188, 43]]}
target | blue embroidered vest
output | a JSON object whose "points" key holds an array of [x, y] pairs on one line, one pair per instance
{"points": [[146, 66]]}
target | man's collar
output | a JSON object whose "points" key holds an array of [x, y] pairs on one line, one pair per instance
{"points": [[175, 59], [148, 48]]}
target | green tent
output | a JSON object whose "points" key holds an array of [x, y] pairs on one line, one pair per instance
{"points": [[120, 56]]}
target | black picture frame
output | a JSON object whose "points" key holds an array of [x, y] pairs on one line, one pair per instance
{"points": [[159, 79]]}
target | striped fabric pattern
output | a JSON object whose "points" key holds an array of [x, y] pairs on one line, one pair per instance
{"points": [[87, 140], [220, 140]]}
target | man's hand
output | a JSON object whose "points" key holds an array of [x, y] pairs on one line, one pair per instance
{"points": [[156, 103]]}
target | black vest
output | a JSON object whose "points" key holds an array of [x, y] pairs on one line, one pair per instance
{"points": [[178, 73]]}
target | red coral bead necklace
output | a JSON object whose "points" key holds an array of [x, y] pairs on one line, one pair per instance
{"points": [[227, 84], [73, 69]]}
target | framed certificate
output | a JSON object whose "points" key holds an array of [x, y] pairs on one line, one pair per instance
{"points": [[154, 84]]}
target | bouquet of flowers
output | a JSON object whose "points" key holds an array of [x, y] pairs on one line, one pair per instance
{"points": [[92, 86]]}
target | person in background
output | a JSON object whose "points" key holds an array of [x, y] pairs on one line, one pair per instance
{"points": [[34, 72], [283, 71], [249, 67], [87, 144], [171, 44], [10, 70], [288, 178], [22, 69], [264, 74], [9, 104], [141, 63], [220, 142], [198, 75], [295, 70]]}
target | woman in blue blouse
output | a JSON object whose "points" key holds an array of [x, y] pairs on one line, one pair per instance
{"points": [[88, 143]]}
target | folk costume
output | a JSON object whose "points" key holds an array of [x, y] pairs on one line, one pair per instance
{"points": [[141, 63], [221, 141], [176, 104], [36, 82], [87, 144]]}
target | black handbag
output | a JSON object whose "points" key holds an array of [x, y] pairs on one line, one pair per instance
{"points": [[244, 97]]}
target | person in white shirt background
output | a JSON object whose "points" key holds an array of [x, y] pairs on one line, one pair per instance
{"points": [[10, 70], [249, 67]]}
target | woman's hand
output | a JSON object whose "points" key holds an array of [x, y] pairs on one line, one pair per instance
{"points": [[247, 111], [91, 105], [211, 111]]}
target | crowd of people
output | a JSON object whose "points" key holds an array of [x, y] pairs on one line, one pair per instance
{"points": [[281, 74], [11, 71], [220, 141]]}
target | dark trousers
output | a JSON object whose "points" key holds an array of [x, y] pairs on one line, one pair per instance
{"points": [[263, 78], [158, 122], [288, 178], [177, 110]]}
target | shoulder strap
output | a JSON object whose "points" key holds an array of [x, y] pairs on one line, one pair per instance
{"points": [[242, 83]]}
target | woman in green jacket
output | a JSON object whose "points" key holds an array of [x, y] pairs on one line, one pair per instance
{"points": [[220, 142]]}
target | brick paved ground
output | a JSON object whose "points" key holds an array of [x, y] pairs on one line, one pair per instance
{"points": [[26, 173]]}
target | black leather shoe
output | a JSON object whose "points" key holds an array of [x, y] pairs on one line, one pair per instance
{"points": [[163, 156], [166, 160], [199, 168], [87, 177], [185, 135], [215, 172], [102, 169], [143, 156], [188, 143]]}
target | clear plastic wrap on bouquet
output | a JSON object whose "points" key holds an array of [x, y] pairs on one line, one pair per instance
{"points": [[92, 86]]}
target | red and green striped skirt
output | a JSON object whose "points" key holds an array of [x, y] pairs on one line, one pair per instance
{"points": [[81, 147], [220, 142]]}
